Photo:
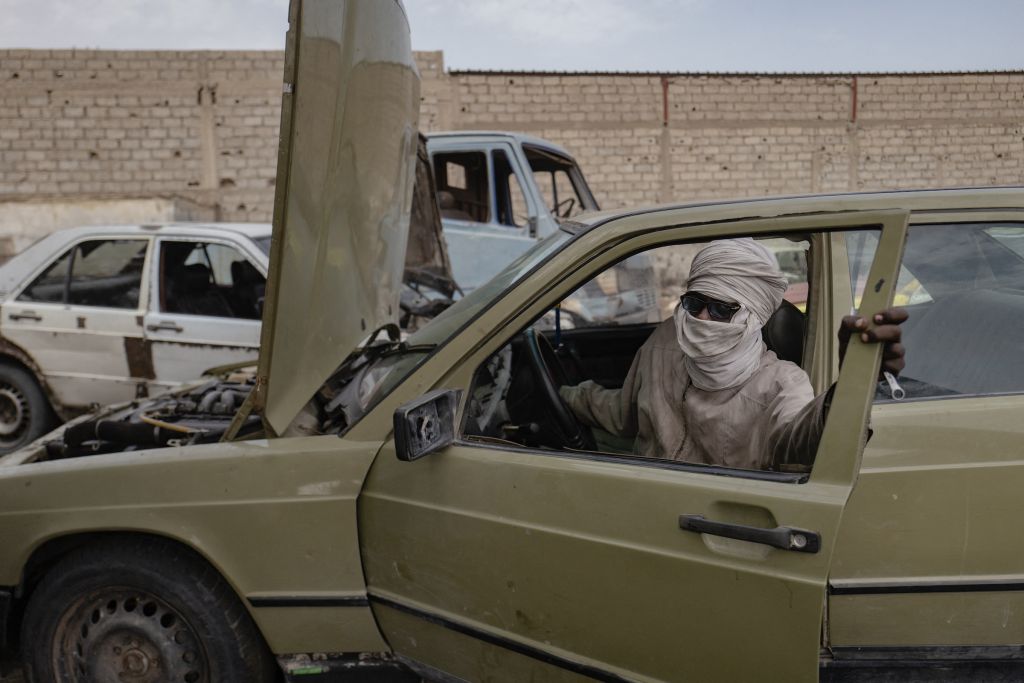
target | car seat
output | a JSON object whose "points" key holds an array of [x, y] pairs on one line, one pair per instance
{"points": [[247, 290], [195, 293], [784, 332], [449, 209]]}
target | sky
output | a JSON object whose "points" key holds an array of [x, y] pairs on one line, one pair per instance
{"points": [[579, 35]]}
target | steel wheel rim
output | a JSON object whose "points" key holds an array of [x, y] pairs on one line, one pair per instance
{"points": [[14, 414], [123, 634]]}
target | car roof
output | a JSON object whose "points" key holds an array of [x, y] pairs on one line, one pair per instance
{"points": [[491, 135], [250, 230], [946, 199], [25, 263]]}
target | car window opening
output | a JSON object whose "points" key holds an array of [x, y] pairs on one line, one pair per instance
{"points": [[463, 186], [963, 286], [587, 337], [209, 279]]}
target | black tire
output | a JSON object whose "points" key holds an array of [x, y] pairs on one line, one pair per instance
{"points": [[25, 412], [143, 607]]}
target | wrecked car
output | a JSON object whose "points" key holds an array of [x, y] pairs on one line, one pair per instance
{"points": [[98, 315], [427, 506]]}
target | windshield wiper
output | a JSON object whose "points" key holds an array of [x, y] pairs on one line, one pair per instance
{"points": [[373, 350]]}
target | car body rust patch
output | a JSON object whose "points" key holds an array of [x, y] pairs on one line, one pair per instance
{"points": [[139, 353]]}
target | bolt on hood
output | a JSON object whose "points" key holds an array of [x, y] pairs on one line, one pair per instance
{"points": [[345, 173]]}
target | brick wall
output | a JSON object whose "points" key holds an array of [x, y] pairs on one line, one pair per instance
{"points": [[197, 125], [645, 138], [202, 126]]}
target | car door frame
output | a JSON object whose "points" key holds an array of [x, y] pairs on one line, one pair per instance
{"points": [[192, 331], [397, 565]]}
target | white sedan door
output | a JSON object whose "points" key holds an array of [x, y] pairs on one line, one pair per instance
{"points": [[205, 310], [80, 320]]}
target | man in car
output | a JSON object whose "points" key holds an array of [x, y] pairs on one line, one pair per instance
{"points": [[704, 388]]}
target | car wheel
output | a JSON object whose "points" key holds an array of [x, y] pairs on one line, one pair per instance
{"points": [[25, 413], [142, 610]]}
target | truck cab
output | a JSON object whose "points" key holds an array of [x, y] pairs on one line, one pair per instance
{"points": [[499, 193]]}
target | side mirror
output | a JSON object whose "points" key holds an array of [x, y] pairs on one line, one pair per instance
{"points": [[426, 424]]}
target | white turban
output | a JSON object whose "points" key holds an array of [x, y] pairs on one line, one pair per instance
{"points": [[721, 355]]}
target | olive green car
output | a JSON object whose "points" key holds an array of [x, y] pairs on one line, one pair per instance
{"points": [[425, 505]]}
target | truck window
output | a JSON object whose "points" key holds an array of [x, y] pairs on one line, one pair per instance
{"points": [[558, 181], [463, 186], [558, 192]]}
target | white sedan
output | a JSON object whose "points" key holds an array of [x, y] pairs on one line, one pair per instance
{"points": [[97, 315]]}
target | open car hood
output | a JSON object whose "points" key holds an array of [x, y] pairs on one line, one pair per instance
{"points": [[345, 174]]}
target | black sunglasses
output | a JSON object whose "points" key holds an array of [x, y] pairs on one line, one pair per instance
{"points": [[721, 311]]}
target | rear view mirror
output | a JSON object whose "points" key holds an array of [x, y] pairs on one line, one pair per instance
{"points": [[426, 424]]}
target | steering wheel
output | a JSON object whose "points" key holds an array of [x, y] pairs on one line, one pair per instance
{"points": [[548, 372], [568, 204]]}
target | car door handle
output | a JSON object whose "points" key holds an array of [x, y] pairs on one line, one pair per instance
{"points": [[784, 537], [166, 326], [27, 315]]}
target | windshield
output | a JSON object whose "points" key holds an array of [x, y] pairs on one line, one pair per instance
{"points": [[438, 330], [390, 370], [560, 182]]}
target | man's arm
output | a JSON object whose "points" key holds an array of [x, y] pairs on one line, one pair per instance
{"points": [[613, 410], [797, 419], [618, 411]]}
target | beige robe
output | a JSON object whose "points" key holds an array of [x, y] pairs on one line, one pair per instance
{"points": [[771, 421]]}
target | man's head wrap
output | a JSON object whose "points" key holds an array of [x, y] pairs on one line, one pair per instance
{"points": [[739, 270], [721, 355]]}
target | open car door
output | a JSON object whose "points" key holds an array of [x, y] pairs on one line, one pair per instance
{"points": [[491, 561]]}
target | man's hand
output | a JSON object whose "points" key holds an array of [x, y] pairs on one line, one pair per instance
{"points": [[886, 330]]}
